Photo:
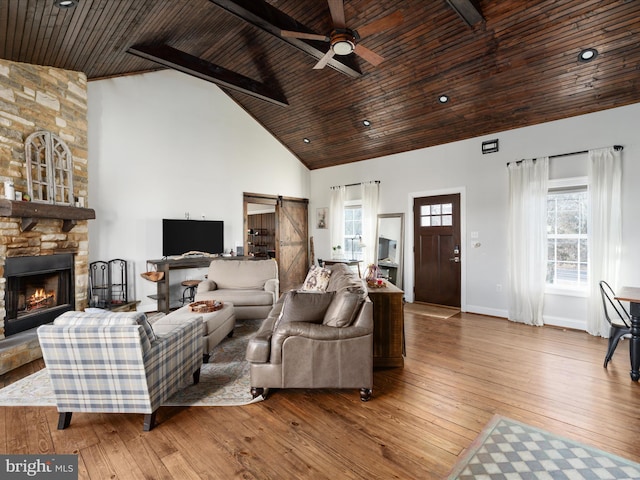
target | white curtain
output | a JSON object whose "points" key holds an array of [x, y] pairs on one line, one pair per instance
{"points": [[336, 213], [605, 231], [370, 194], [527, 245]]}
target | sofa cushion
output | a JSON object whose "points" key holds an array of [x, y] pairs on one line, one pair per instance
{"points": [[343, 309], [317, 279], [238, 297], [242, 274], [304, 307]]}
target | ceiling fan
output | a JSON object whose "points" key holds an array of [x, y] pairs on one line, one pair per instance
{"points": [[345, 40]]}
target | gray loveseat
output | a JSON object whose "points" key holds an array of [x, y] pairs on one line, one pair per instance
{"points": [[251, 285], [317, 340]]}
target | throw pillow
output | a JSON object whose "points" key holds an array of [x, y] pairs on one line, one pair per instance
{"points": [[343, 310], [304, 307], [317, 280]]}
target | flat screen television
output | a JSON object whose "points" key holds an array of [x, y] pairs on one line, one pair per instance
{"points": [[182, 236]]}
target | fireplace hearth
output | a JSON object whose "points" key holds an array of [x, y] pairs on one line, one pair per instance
{"points": [[38, 289]]}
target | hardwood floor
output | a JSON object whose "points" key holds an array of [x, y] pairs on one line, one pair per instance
{"points": [[458, 373]]}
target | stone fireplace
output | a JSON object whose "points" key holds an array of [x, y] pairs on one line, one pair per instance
{"points": [[38, 98]]}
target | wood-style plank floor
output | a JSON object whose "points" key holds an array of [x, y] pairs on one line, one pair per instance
{"points": [[458, 373]]}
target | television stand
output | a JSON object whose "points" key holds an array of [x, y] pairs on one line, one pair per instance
{"points": [[166, 265]]}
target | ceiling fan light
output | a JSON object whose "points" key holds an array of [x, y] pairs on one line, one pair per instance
{"points": [[65, 3], [343, 47]]}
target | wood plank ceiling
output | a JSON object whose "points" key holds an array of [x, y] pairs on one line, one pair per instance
{"points": [[518, 67]]}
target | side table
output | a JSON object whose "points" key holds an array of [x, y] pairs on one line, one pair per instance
{"points": [[388, 326]]}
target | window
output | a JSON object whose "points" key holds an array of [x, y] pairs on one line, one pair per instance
{"points": [[567, 241], [439, 215], [353, 232], [49, 166]]}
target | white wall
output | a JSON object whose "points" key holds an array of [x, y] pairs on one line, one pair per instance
{"points": [[482, 180], [162, 144]]}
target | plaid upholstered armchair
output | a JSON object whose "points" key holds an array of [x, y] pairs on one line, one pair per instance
{"points": [[114, 363]]}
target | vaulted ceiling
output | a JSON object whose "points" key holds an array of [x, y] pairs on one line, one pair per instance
{"points": [[516, 65]]}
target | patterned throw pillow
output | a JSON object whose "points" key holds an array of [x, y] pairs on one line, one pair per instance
{"points": [[317, 280]]}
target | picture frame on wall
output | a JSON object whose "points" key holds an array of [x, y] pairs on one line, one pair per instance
{"points": [[322, 217]]}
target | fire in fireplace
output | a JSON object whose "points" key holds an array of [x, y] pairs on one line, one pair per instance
{"points": [[38, 289]]}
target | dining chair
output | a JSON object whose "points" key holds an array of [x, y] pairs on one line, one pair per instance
{"points": [[617, 316]]}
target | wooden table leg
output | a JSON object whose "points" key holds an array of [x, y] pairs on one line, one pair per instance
{"points": [[634, 343]]}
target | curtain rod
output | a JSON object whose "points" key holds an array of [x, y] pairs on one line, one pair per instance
{"points": [[353, 184], [617, 148]]}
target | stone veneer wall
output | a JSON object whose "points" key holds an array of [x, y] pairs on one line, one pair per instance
{"points": [[34, 98]]}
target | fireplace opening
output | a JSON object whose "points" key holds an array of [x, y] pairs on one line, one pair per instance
{"points": [[38, 289]]}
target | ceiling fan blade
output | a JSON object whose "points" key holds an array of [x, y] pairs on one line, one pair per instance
{"points": [[336, 7], [381, 24], [370, 56], [304, 36], [324, 60]]}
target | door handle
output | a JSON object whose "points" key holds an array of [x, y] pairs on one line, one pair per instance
{"points": [[455, 259]]}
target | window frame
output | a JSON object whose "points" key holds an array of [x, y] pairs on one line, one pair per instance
{"points": [[562, 184], [358, 254]]}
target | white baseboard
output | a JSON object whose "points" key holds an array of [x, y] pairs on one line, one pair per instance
{"points": [[565, 322], [492, 312], [548, 320]]}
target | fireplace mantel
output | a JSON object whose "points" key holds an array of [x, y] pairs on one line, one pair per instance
{"points": [[30, 212]]}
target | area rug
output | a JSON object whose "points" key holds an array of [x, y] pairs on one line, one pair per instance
{"points": [[224, 381], [510, 450]]}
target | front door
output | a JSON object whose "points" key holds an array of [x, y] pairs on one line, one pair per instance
{"points": [[437, 249]]}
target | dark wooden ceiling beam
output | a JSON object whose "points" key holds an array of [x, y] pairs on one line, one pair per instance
{"points": [[467, 10], [197, 67], [271, 20]]}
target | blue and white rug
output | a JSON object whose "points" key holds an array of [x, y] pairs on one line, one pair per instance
{"points": [[510, 450]]}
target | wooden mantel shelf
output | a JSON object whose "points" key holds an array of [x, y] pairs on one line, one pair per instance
{"points": [[30, 212]]}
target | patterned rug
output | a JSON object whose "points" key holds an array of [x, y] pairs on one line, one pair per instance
{"points": [[510, 450], [224, 381]]}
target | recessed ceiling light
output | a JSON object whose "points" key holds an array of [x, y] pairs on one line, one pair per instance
{"points": [[587, 55], [443, 98], [366, 123], [306, 140], [66, 3]]}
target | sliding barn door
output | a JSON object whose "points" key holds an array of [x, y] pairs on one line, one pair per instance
{"points": [[292, 233]]}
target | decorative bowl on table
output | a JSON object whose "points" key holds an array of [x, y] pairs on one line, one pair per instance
{"points": [[377, 283], [205, 306], [153, 276]]}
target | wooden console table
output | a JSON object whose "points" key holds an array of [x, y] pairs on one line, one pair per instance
{"points": [[166, 265], [388, 326]]}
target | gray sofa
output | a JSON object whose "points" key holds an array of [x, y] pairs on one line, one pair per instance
{"points": [[251, 285], [317, 340]]}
